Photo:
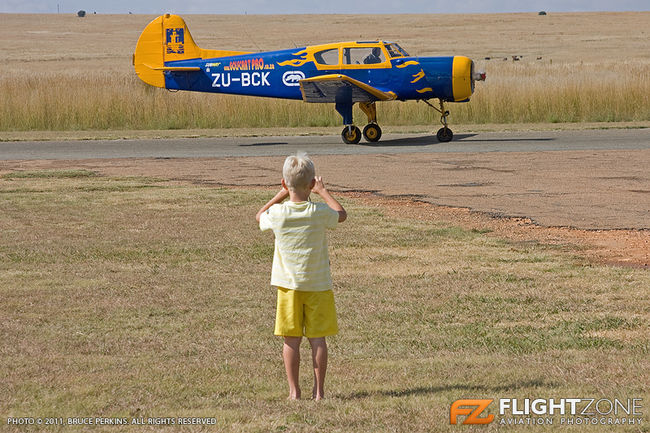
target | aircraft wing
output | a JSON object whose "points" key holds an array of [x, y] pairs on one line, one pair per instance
{"points": [[331, 88]]}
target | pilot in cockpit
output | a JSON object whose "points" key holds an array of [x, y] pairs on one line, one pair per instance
{"points": [[373, 57]]}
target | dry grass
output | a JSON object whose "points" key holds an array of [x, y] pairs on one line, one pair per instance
{"points": [[517, 93], [170, 314], [65, 73]]}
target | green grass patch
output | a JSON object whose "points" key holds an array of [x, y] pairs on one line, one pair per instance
{"points": [[49, 174], [127, 296]]}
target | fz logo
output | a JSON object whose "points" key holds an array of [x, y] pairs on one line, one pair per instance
{"points": [[292, 78], [471, 414]]}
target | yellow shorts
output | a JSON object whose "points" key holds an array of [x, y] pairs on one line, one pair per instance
{"points": [[311, 314]]}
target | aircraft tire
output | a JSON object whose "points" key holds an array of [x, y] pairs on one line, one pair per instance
{"points": [[351, 138], [372, 132], [445, 135]]}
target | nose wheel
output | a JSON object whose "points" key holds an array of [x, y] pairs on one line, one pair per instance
{"points": [[444, 134]]}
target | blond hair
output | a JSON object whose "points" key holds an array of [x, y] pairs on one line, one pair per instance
{"points": [[298, 171]]}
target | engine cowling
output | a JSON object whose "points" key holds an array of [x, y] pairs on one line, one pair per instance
{"points": [[463, 78]]}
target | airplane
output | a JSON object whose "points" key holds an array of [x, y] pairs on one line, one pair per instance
{"points": [[343, 73]]}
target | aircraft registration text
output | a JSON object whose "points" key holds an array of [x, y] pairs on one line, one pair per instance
{"points": [[245, 79]]}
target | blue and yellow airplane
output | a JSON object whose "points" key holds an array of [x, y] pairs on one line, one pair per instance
{"points": [[343, 73]]}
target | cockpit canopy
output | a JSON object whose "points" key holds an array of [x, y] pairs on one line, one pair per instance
{"points": [[394, 50], [359, 53]]}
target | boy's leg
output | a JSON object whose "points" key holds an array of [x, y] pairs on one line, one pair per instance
{"points": [[291, 356], [319, 357]]}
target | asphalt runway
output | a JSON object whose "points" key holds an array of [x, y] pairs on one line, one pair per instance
{"points": [[612, 139], [591, 179]]}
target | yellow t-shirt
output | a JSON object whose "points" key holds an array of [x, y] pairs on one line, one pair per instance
{"points": [[301, 260]]}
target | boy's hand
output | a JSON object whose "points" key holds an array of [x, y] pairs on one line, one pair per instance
{"points": [[319, 186], [282, 194]]}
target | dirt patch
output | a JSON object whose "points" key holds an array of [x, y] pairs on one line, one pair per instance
{"points": [[612, 247], [625, 247]]}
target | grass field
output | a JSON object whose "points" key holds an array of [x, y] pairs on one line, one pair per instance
{"points": [[66, 73], [135, 296]]}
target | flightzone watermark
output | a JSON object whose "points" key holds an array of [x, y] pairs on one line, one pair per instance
{"points": [[552, 411]]}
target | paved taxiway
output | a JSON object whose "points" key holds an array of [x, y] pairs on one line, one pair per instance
{"points": [[594, 179], [613, 139]]}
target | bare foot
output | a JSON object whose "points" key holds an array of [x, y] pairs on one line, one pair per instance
{"points": [[294, 395]]}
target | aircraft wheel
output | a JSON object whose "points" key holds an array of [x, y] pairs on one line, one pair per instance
{"points": [[372, 132], [351, 137], [444, 135]]}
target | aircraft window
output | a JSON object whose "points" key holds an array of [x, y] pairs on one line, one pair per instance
{"points": [[395, 50], [363, 56], [401, 50], [327, 57]]}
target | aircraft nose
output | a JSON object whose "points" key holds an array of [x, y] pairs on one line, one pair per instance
{"points": [[464, 76]]}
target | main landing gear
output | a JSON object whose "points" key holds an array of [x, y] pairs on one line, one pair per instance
{"points": [[444, 134], [372, 132], [351, 134]]}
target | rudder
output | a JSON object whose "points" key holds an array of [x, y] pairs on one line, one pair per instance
{"points": [[167, 39]]}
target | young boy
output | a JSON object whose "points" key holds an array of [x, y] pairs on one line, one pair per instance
{"points": [[301, 270]]}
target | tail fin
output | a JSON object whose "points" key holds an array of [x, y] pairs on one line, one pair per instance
{"points": [[167, 39]]}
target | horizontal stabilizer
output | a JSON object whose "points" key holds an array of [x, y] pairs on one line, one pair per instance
{"points": [[174, 68], [167, 39]]}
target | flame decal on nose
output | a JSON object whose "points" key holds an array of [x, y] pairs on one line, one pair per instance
{"points": [[417, 77], [409, 63], [296, 62], [425, 90]]}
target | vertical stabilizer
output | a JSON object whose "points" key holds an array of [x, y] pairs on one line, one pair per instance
{"points": [[167, 39]]}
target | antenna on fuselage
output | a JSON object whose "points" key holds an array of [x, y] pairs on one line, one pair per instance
{"points": [[249, 37]]}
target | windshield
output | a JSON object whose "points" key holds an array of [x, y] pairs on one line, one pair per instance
{"points": [[395, 50]]}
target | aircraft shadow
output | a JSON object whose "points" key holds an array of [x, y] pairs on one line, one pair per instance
{"points": [[279, 143], [513, 140], [423, 390], [427, 140]]}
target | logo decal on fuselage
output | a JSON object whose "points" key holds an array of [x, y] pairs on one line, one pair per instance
{"points": [[175, 41], [292, 78]]}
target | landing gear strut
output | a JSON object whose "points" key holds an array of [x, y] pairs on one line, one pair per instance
{"points": [[351, 134], [444, 134], [372, 131]]}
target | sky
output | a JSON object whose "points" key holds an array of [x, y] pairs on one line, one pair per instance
{"points": [[157, 7]]}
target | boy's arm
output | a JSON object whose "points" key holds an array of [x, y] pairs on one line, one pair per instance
{"points": [[319, 188], [279, 198]]}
